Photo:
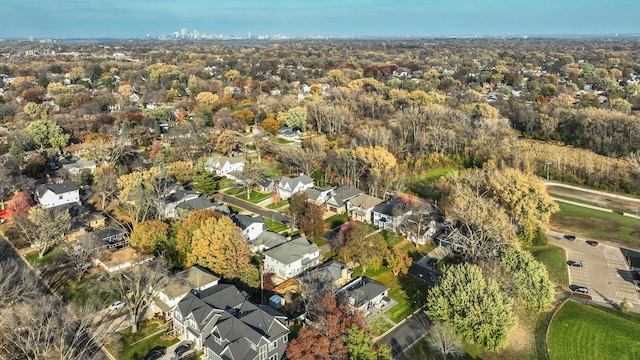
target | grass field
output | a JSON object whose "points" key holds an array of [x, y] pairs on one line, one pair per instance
{"points": [[136, 346], [555, 259], [422, 184], [234, 191], [583, 332], [335, 220], [255, 196], [597, 224], [51, 256], [274, 225], [277, 205]]}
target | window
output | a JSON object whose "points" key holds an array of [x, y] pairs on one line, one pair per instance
{"points": [[285, 339], [273, 357], [263, 352], [273, 345], [177, 315]]}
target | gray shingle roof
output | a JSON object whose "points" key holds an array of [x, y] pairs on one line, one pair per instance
{"points": [[292, 251], [292, 182], [367, 289], [57, 188], [334, 268], [344, 193], [269, 239], [392, 207], [244, 221], [199, 203], [365, 201], [187, 279]]}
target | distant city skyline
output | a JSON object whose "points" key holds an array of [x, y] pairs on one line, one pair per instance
{"points": [[87, 19]]}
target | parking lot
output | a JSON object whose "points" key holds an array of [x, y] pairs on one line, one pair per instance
{"points": [[605, 272]]}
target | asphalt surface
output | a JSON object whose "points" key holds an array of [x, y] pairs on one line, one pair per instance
{"points": [[274, 215], [407, 333], [605, 272]]}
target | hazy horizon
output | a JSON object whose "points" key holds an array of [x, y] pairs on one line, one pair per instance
{"points": [[85, 19]]}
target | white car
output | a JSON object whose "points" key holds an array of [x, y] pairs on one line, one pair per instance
{"points": [[116, 305]]}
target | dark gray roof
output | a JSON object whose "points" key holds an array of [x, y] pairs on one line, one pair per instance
{"points": [[392, 207], [57, 188], [244, 221], [367, 288], [269, 239], [292, 251], [109, 231], [179, 195], [343, 194], [334, 268], [199, 203]]}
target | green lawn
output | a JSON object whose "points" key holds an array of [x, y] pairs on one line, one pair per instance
{"points": [[277, 205], [255, 196], [49, 257], [78, 293], [420, 350], [335, 220], [582, 332], [235, 191], [282, 141], [597, 224], [422, 184], [378, 326], [391, 238], [319, 241], [274, 225], [409, 292], [132, 346], [555, 259]]}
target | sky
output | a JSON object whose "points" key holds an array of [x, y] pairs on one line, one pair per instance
{"points": [[376, 18]]}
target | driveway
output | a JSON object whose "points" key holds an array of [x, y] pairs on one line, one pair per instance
{"points": [[605, 272], [406, 333]]}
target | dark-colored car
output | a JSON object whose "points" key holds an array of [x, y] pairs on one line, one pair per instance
{"points": [[182, 349], [570, 237], [156, 353], [579, 289], [574, 263], [432, 262], [592, 242]]}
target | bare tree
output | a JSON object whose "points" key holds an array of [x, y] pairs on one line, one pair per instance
{"points": [[43, 227], [313, 286], [138, 287], [81, 253], [249, 177], [443, 340], [17, 285]]}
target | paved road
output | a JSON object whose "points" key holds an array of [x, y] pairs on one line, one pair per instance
{"points": [[605, 272], [407, 333], [253, 208]]}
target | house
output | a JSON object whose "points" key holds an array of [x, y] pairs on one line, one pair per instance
{"points": [[56, 194], [289, 133], [337, 202], [174, 198], [200, 203], [96, 221], [361, 207], [291, 258], [339, 272], [118, 260], [75, 168], [364, 293], [268, 185], [192, 278], [288, 186], [388, 214], [223, 322], [224, 165], [265, 241], [318, 196], [113, 237], [251, 226]]}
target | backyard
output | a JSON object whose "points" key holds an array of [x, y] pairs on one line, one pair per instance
{"points": [[151, 334], [583, 332]]}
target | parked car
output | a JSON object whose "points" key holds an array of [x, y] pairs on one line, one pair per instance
{"points": [[570, 237], [156, 353], [182, 349], [574, 263], [432, 262], [116, 305], [592, 242], [579, 289]]}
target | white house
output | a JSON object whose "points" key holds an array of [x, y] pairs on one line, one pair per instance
{"points": [[174, 199], [265, 241], [224, 165], [291, 258], [361, 207], [77, 167], [318, 196], [289, 186], [251, 226], [388, 214], [56, 194], [180, 284]]}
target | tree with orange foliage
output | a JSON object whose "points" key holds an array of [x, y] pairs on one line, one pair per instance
{"points": [[20, 203], [271, 125]]}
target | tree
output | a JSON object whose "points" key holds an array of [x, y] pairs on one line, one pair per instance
{"points": [[20, 203], [206, 98], [271, 125], [18, 285], [311, 221], [138, 287], [527, 278], [81, 253], [297, 206], [105, 184], [147, 235], [43, 227], [296, 118], [360, 344], [313, 287], [398, 261], [229, 141], [184, 236], [367, 250], [182, 171], [249, 177], [474, 305], [443, 340], [46, 133], [218, 245], [206, 183], [379, 163]]}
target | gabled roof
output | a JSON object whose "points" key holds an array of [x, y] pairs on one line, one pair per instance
{"points": [[109, 231], [187, 279], [180, 195], [244, 221], [334, 269], [292, 251], [268, 239], [343, 194], [199, 203], [365, 201], [392, 207], [57, 188], [367, 289], [292, 182]]}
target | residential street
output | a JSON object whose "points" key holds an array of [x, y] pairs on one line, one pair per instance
{"points": [[273, 215], [406, 333]]}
